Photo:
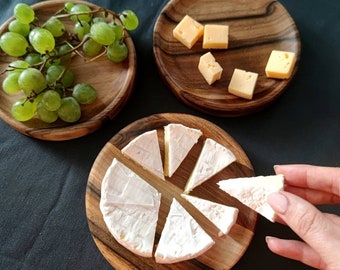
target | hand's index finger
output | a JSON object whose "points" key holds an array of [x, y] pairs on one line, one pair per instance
{"points": [[319, 178]]}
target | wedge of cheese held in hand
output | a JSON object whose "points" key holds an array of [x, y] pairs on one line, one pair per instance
{"points": [[253, 191]]}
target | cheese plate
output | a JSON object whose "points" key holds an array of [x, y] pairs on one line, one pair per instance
{"points": [[255, 29], [113, 83], [227, 250]]}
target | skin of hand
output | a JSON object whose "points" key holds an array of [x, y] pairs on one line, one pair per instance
{"points": [[306, 185]]}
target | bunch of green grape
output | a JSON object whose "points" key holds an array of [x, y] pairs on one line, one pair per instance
{"points": [[44, 51]]}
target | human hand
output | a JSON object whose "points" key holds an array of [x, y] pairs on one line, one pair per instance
{"points": [[307, 185]]}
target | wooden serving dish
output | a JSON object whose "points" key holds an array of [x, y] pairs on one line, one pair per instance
{"points": [[227, 249], [255, 29], [113, 83]]}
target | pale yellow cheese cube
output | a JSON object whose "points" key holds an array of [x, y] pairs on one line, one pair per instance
{"points": [[188, 31], [280, 64], [242, 83], [215, 36], [209, 68]]}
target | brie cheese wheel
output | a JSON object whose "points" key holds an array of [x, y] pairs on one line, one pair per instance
{"points": [[253, 191], [130, 208], [222, 216], [182, 237], [178, 140], [145, 150], [213, 158]]}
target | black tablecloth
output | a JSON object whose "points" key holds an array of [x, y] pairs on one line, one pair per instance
{"points": [[43, 221]]}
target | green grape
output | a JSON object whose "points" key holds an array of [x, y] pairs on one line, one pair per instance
{"points": [[98, 19], [63, 49], [23, 110], [13, 44], [10, 84], [33, 58], [82, 28], [69, 110], [17, 66], [84, 93], [55, 26], [31, 79], [102, 33], [42, 40], [46, 115], [24, 13], [91, 48], [81, 8], [68, 6], [54, 72], [119, 31], [129, 19], [18, 27], [51, 100], [117, 52]]}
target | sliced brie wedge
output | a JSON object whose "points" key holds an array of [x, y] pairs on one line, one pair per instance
{"points": [[182, 237], [213, 158], [253, 191], [178, 140], [130, 208], [145, 150], [222, 216]]}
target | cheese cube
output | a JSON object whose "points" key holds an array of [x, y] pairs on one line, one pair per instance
{"points": [[215, 36], [242, 83], [280, 64], [188, 31], [209, 68]]}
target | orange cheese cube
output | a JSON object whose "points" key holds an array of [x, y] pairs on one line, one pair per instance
{"points": [[188, 31], [242, 83], [215, 36], [209, 68], [280, 64]]}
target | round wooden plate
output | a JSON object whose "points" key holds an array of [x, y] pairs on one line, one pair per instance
{"points": [[255, 29], [113, 83], [227, 249]]}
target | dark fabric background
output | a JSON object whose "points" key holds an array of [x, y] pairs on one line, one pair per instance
{"points": [[43, 221]]}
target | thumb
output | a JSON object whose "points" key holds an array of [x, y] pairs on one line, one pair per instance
{"points": [[304, 219]]}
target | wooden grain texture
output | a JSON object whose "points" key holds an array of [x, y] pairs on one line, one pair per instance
{"points": [[113, 83], [255, 29], [227, 250]]}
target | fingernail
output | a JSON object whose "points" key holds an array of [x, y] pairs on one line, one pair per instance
{"points": [[278, 202]]}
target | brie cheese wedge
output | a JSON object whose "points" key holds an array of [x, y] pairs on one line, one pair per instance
{"points": [[222, 216], [145, 150], [213, 158], [130, 208], [178, 140], [182, 237], [253, 191]]}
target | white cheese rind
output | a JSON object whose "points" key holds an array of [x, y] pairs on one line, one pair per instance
{"points": [[130, 208], [253, 191], [178, 140], [182, 237], [145, 150], [213, 158], [222, 216]]}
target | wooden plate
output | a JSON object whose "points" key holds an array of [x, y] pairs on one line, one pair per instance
{"points": [[255, 29], [227, 250], [113, 82]]}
